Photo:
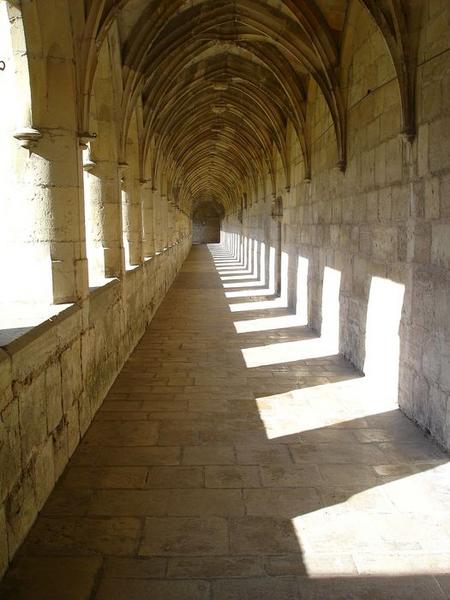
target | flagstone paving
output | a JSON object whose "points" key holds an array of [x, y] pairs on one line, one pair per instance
{"points": [[205, 477]]}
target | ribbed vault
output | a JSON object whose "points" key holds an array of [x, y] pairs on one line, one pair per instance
{"points": [[218, 81]]}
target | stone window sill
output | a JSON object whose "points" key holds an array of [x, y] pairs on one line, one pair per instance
{"points": [[17, 320]]}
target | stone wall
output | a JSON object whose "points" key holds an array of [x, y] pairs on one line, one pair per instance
{"points": [[54, 378], [206, 231], [385, 222], [206, 225]]}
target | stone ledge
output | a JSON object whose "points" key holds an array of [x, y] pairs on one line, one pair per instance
{"points": [[98, 291], [33, 333], [30, 352]]}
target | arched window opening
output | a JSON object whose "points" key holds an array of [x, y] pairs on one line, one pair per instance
{"points": [[24, 259], [102, 202], [132, 229]]}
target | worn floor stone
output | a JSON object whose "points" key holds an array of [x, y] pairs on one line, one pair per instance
{"points": [[52, 578], [203, 478]]}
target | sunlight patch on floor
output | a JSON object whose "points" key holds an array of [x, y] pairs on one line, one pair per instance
{"points": [[244, 277], [287, 352], [249, 293], [269, 324]]}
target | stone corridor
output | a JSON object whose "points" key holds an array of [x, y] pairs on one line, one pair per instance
{"points": [[212, 472]]}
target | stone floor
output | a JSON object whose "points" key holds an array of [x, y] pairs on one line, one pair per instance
{"points": [[222, 468]]}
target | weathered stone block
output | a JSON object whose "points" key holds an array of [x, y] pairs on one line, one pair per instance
{"points": [[439, 143], [4, 558], [44, 473], [85, 413], [438, 413], [10, 448], [20, 510], [444, 379], [423, 134], [360, 278], [400, 203], [71, 374], [73, 428], [441, 303], [443, 197], [30, 352], [60, 448], [440, 244], [419, 242], [423, 298], [43, 578], [5, 380], [384, 243], [394, 154], [53, 396], [421, 399], [431, 358], [32, 416], [433, 199]]}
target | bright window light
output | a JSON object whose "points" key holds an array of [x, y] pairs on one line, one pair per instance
{"points": [[381, 364], [330, 308]]}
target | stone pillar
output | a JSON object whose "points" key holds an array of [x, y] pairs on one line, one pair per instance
{"points": [[148, 219], [51, 231], [157, 220], [64, 189], [103, 219], [68, 247], [171, 235], [164, 222], [178, 224], [132, 217]]}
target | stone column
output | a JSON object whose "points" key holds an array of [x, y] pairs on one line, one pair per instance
{"points": [[103, 218], [171, 236], [157, 220], [178, 224], [64, 190], [164, 221], [51, 230], [148, 219], [132, 216]]}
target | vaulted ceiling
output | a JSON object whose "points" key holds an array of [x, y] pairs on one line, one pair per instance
{"points": [[218, 81]]}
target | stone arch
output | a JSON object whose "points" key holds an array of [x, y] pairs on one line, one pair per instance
{"points": [[101, 182], [249, 16]]}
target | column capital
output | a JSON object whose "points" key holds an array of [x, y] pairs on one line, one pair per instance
{"points": [[85, 138], [28, 137], [89, 165], [123, 168], [146, 184]]}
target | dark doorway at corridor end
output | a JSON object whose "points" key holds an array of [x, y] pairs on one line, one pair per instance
{"points": [[206, 223]]}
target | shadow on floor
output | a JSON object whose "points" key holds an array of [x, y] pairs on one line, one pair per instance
{"points": [[205, 478]]}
